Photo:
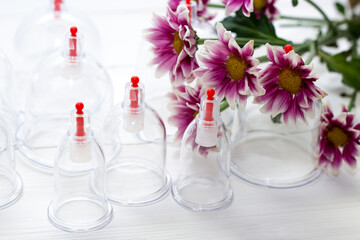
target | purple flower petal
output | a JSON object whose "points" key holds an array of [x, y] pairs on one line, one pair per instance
{"points": [[184, 102], [350, 150], [214, 72], [179, 66], [281, 103], [301, 103], [329, 152]]}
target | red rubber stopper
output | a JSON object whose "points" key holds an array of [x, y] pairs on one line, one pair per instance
{"points": [[73, 31], [57, 5], [72, 42], [210, 93], [79, 108], [209, 105], [80, 132], [134, 93], [288, 48], [188, 4], [134, 81]]}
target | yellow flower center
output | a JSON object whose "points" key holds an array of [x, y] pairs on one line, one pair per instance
{"points": [[178, 43], [290, 80], [337, 136], [235, 67], [195, 114], [259, 5]]}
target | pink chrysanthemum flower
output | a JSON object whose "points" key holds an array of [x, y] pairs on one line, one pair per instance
{"points": [[256, 6], [184, 105], [228, 69], [174, 43], [246, 6], [290, 88], [267, 7], [339, 139], [202, 12]]}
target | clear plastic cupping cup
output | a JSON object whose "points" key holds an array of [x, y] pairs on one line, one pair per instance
{"points": [[80, 203], [8, 94], [41, 34], [58, 82], [257, 148], [136, 173], [203, 183], [5, 79], [10, 180]]}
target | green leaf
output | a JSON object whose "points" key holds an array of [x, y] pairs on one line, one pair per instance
{"points": [[350, 70], [295, 2], [276, 119], [354, 28], [251, 27], [340, 8]]}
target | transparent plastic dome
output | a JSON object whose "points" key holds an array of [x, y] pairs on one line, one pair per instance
{"points": [[203, 183], [203, 28], [5, 78], [10, 180], [137, 174], [42, 32], [58, 82], [261, 144], [80, 203], [8, 94]]}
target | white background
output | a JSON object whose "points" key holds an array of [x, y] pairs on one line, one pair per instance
{"points": [[327, 209]]}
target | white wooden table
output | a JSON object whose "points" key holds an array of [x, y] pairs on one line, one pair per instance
{"points": [[328, 209]]}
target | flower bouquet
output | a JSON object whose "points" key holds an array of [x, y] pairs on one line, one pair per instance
{"points": [[282, 135]]}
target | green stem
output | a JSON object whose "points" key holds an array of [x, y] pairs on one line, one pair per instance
{"points": [[354, 49], [243, 41], [331, 26], [329, 38], [353, 20], [263, 59], [317, 20], [312, 53], [352, 101], [300, 25], [201, 41], [302, 48], [258, 42], [211, 5], [224, 105]]}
